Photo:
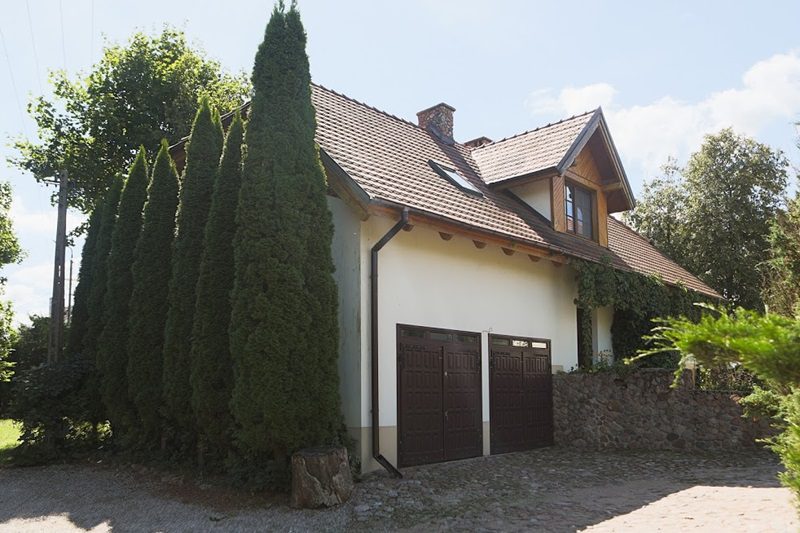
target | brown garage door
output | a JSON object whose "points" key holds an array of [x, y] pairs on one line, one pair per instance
{"points": [[520, 393], [439, 395]]}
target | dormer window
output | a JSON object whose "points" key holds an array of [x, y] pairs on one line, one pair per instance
{"points": [[453, 176], [579, 208]]}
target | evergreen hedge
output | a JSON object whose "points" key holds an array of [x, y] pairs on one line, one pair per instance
{"points": [[211, 367], [148, 305], [202, 161], [78, 323], [113, 356], [284, 332], [97, 292]]}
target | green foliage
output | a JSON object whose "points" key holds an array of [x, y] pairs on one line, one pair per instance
{"points": [[10, 249], [202, 161], [30, 346], [716, 221], [733, 378], [112, 348], [79, 321], [137, 94], [9, 439], [95, 320], [211, 366], [636, 300], [765, 403], [767, 345], [782, 290], [284, 332], [49, 403], [148, 303]]}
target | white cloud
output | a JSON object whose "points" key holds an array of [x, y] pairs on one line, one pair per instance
{"points": [[27, 220], [647, 134], [28, 287]]}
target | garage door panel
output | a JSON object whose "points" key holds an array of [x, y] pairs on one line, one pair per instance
{"points": [[439, 388], [421, 414], [520, 394]]}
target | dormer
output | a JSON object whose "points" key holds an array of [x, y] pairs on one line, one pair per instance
{"points": [[568, 172]]}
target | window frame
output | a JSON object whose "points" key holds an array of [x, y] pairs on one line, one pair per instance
{"points": [[570, 187]]}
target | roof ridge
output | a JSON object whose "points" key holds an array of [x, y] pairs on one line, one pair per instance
{"points": [[549, 124], [363, 104]]}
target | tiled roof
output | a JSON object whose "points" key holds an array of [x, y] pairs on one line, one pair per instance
{"points": [[640, 256], [388, 159], [529, 152]]}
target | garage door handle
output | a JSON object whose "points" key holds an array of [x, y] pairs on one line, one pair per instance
{"points": [[445, 414]]}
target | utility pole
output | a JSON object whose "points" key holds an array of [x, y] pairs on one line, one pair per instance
{"points": [[56, 338], [69, 289]]}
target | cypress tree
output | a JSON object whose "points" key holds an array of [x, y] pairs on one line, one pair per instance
{"points": [[113, 354], [148, 304], [202, 161], [211, 367], [284, 332], [78, 322], [99, 276]]}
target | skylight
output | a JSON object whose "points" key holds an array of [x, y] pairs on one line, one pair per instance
{"points": [[455, 178]]}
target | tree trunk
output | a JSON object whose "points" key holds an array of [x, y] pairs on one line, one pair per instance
{"points": [[320, 477]]}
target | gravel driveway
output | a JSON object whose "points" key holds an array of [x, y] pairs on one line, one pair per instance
{"points": [[544, 490]]}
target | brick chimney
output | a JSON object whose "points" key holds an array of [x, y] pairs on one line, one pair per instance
{"points": [[438, 120]]}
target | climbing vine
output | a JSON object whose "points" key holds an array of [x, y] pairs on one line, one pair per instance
{"points": [[637, 299]]}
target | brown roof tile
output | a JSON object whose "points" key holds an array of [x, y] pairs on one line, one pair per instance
{"points": [[529, 152]]}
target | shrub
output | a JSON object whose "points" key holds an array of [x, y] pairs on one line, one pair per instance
{"points": [[51, 404]]}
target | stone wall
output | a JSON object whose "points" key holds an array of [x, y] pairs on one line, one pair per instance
{"points": [[641, 411]]}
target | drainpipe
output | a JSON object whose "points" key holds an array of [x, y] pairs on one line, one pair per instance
{"points": [[373, 279]]}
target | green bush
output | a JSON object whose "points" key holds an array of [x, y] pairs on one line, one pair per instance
{"points": [[51, 404], [767, 345]]}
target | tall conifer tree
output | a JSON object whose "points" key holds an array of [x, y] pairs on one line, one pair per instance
{"points": [[148, 307], [78, 322], [212, 370], [284, 332], [97, 292], [113, 354], [202, 161]]}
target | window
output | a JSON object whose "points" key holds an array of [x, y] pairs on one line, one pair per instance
{"points": [[578, 204], [455, 178]]}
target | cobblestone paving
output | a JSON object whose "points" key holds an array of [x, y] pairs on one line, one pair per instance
{"points": [[542, 490]]}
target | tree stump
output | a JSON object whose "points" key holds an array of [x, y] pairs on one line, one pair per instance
{"points": [[320, 477]]}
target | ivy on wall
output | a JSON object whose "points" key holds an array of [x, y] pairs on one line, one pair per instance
{"points": [[637, 299]]}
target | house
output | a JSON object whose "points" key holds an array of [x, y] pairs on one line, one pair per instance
{"points": [[456, 295]]}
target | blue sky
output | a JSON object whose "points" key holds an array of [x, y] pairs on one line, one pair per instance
{"points": [[666, 73]]}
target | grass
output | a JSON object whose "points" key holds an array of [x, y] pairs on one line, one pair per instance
{"points": [[9, 433]]}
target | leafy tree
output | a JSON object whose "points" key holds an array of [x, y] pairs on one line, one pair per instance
{"points": [[138, 93], [148, 304], [112, 348], [10, 252], [78, 323], [30, 344], [202, 161], [95, 319], [284, 332], [211, 367], [659, 211], [733, 188], [782, 291]]}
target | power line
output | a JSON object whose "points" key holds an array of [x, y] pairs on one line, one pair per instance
{"points": [[63, 45], [13, 84], [33, 47]]}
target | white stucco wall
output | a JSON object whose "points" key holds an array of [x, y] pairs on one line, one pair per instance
{"points": [[427, 281], [536, 195], [602, 319], [346, 250]]}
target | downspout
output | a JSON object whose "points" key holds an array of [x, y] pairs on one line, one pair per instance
{"points": [[373, 280]]}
